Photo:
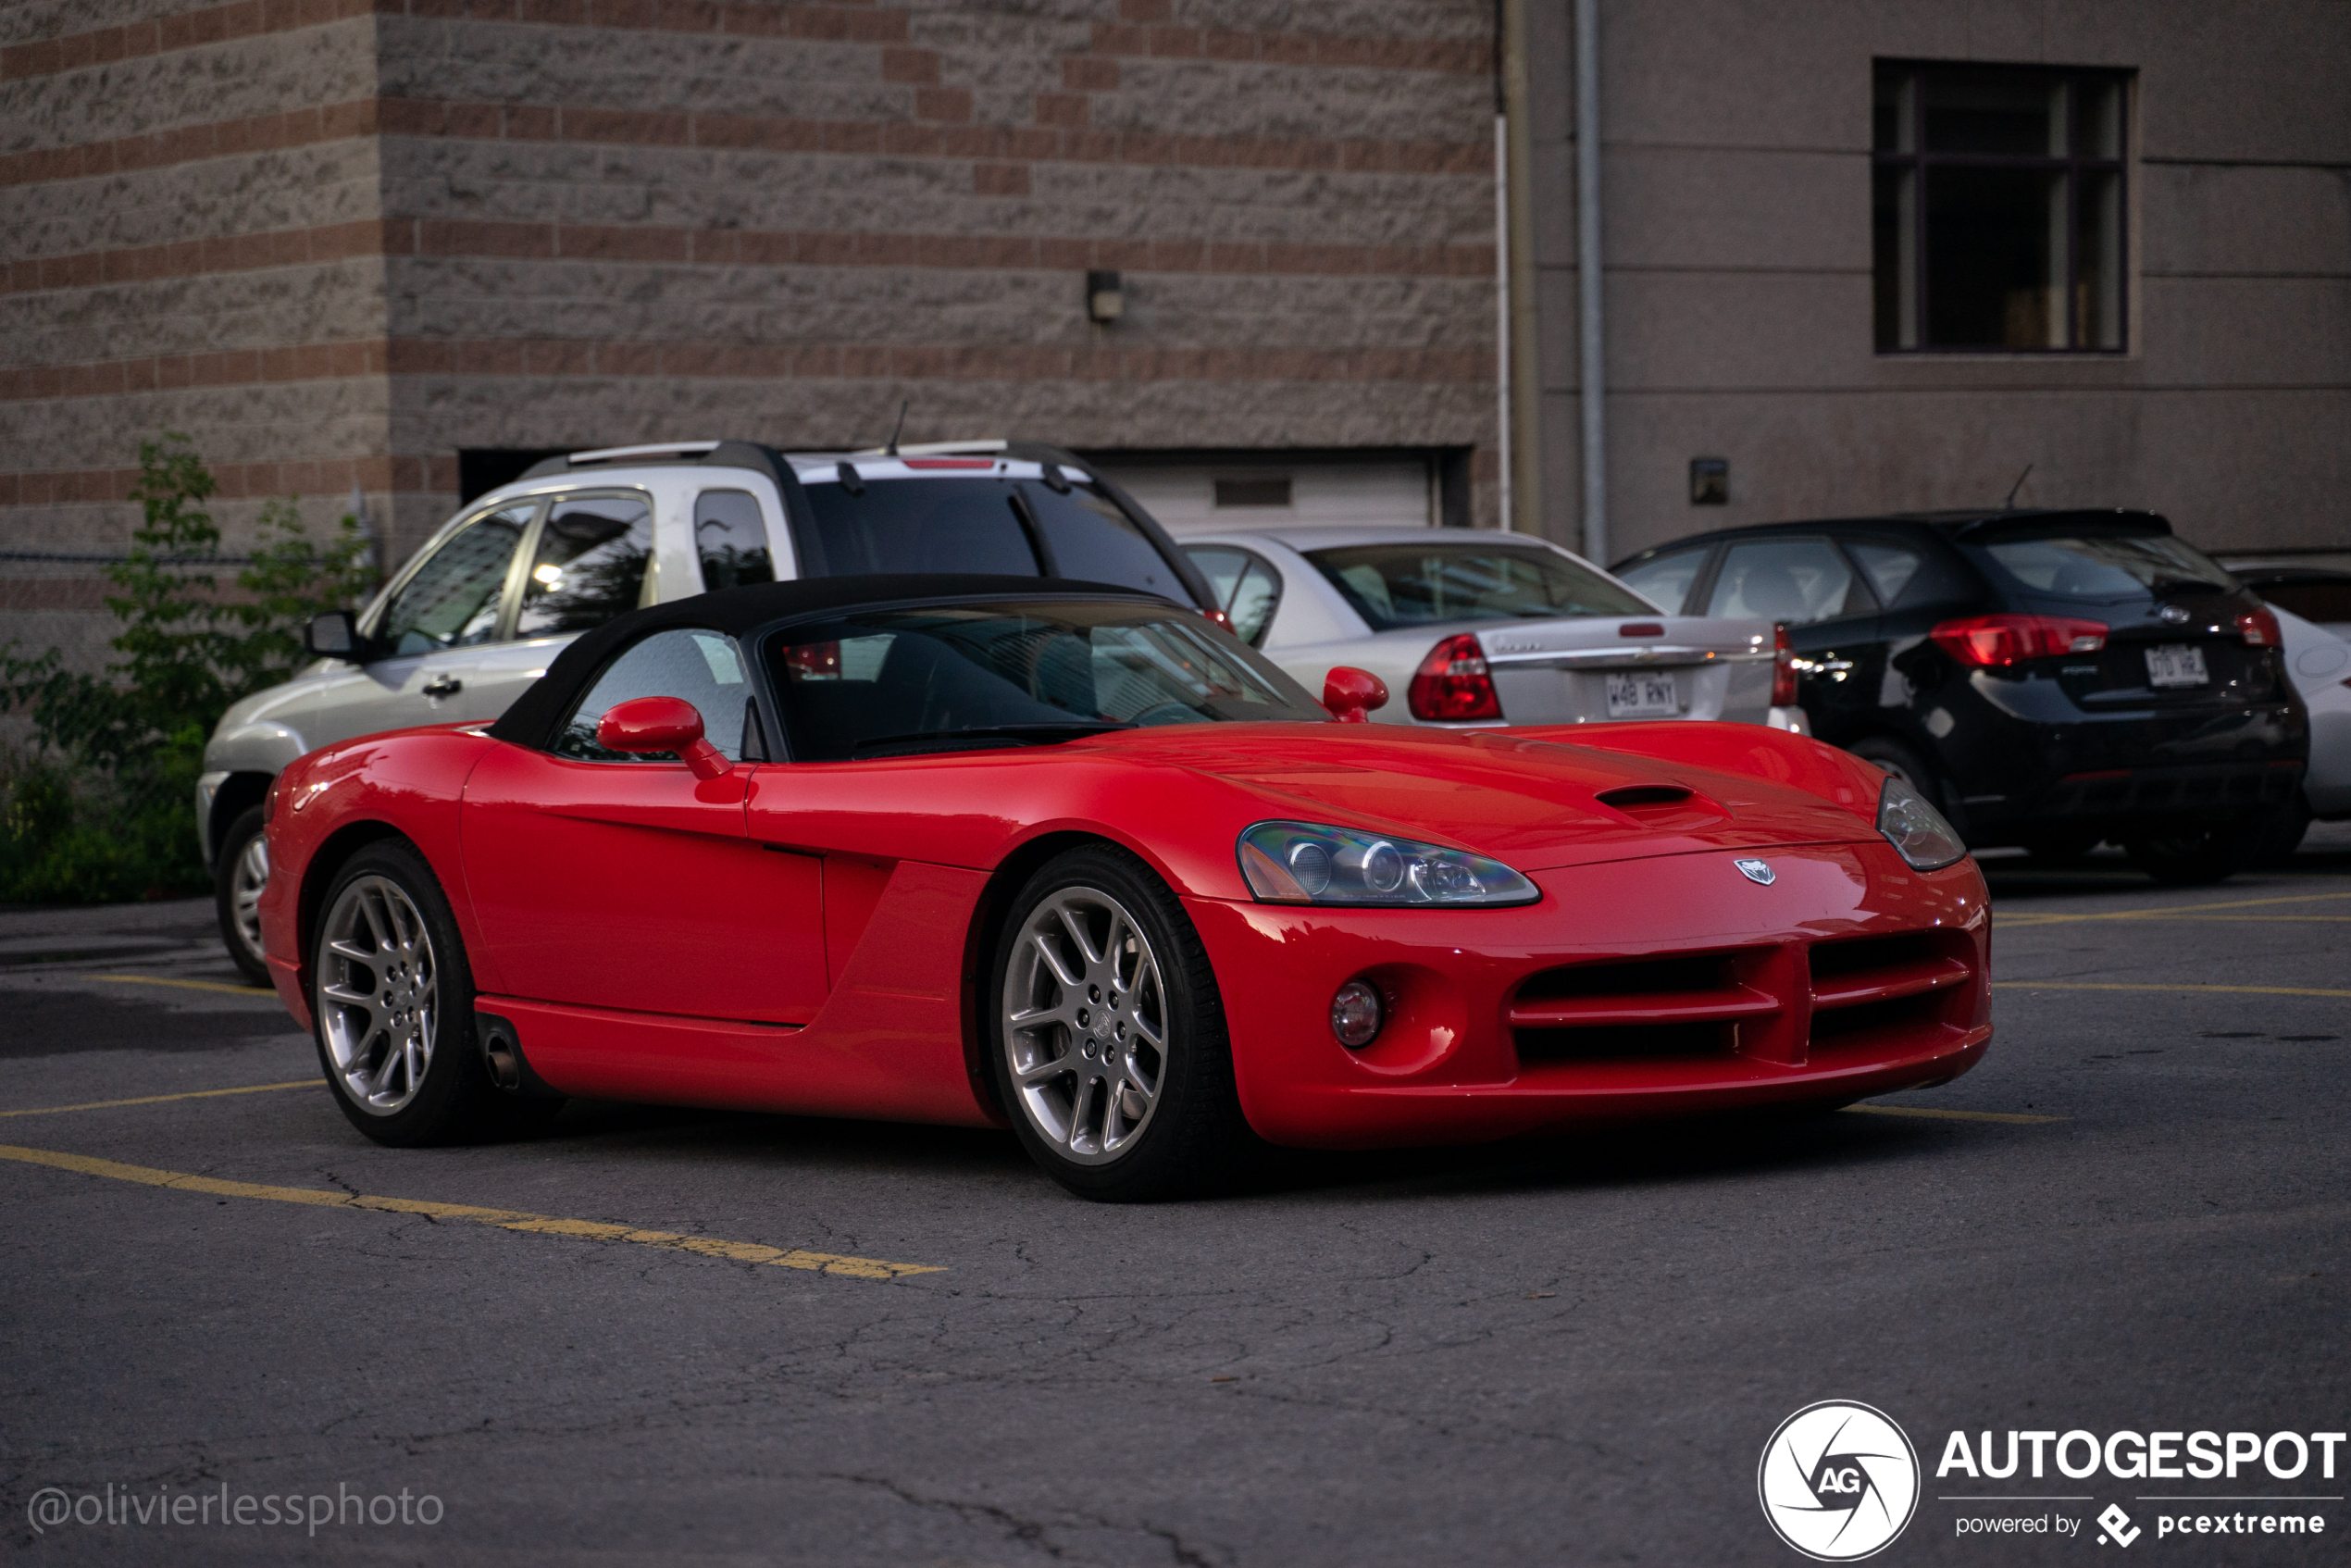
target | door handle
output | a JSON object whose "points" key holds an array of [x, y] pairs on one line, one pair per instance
{"points": [[442, 686]]}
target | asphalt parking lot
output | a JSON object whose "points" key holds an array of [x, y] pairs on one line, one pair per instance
{"points": [[660, 1334]]}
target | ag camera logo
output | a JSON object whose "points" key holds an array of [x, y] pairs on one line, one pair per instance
{"points": [[1838, 1480]]}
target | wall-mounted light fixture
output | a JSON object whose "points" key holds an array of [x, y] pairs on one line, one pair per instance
{"points": [[1710, 481], [1105, 301]]}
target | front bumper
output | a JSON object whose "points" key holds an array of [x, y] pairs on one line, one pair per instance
{"points": [[207, 787], [2121, 799], [1850, 976], [2026, 760]]}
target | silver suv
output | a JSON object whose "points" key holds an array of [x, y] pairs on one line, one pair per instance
{"points": [[475, 616]]}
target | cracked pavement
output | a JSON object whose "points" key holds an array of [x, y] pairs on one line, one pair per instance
{"points": [[1570, 1352]]}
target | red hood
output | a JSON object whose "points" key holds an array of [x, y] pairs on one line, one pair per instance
{"points": [[1528, 799]]}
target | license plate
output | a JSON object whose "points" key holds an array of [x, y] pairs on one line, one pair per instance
{"points": [[1643, 695], [2176, 664]]}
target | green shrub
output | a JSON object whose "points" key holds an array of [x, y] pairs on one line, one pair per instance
{"points": [[103, 807]]}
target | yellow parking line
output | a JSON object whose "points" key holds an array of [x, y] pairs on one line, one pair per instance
{"points": [[2118, 985], [2055, 917], [187, 985], [159, 1099], [503, 1219], [1953, 1115], [2028, 923]]}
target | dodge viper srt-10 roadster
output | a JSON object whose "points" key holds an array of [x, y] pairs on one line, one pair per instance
{"points": [[990, 850]]}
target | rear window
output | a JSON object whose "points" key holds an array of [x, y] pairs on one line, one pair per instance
{"points": [[1015, 528], [1400, 585], [2116, 566], [919, 526]]}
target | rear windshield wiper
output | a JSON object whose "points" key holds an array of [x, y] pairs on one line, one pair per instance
{"points": [[1008, 731]]}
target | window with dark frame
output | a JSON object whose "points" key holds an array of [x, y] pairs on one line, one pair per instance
{"points": [[1998, 208]]}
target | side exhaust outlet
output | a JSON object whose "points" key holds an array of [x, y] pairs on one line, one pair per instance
{"points": [[502, 1057]]}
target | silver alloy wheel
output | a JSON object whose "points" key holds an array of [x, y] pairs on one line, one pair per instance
{"points": [[379, 1006], [245, 882], [1085, 1025]]}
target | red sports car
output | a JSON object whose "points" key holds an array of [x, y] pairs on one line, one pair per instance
{"points": [[988, 851]]}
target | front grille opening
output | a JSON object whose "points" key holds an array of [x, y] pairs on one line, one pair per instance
{"points": [[1639, 976], [1875, 1017], [1833, 960], [1622, 1042]]}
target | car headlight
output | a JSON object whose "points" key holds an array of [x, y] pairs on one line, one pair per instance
{"points": [[1306, 863], [1916, 829]]}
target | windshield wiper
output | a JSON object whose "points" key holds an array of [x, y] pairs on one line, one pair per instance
{"points": [[1009, 731]]}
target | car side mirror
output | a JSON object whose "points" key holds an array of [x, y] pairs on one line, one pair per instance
{"points": [[1351, 693], [661, 724], [333, 635]]}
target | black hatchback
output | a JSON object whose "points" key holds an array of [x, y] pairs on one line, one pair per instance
{"points": [[2053, 678]]}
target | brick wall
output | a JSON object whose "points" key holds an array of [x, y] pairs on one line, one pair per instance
{"points": [[336, 241]]}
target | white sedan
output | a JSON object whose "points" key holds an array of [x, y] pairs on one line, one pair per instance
{"points": [[2318, 663], [1479, 628]]}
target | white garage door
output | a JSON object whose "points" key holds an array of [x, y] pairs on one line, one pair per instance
{"points": [[1198, 497]]}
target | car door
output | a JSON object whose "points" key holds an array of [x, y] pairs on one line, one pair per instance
{"points": [[441, 618], [1807, 585], [625, 883]]}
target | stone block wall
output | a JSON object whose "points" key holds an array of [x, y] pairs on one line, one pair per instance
{"points": [[337, 240]]}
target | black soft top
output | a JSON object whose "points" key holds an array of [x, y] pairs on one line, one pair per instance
{"points": [[535, 715]]}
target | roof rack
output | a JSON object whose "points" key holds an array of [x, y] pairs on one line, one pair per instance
{"points": [[658, 449], [936, 449], [711, 453]]}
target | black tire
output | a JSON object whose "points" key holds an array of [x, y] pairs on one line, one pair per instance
{"points": [[1192, 1136], [1903, 763], [2282, 834], [236, 878], [452, 1099], [2199, 859]]}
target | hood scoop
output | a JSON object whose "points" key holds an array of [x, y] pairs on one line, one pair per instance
{"points": [[1670, 806]]}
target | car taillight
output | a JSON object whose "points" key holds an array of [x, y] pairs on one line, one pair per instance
{"points": [[1220, 617], [1453, 683], [1783, 669], [2260, 628], [813, 661], [1997, 641]]}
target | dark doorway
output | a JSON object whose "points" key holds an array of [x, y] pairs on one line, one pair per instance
{"points": [[483, 468]]}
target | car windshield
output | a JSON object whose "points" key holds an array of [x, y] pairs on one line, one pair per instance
{"points": [[2114, 566], [981, 522], [1400, 585], [956, 677]]}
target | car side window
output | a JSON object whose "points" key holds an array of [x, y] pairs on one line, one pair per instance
{"points": [[702, 667], [1665, 579], [452, 598], [589, 565], [730, 537], [1888, 567], [1795, 582], [1244, 586]]}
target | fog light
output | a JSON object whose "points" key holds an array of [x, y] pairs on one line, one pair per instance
{"points": [[1356, 1014]]}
